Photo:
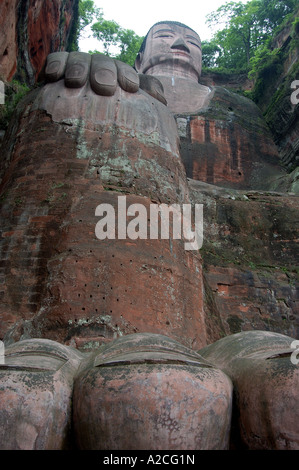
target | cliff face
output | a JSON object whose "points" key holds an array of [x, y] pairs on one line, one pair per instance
{"points": [[33, 29], [229, 144], [249, 259], [273, 90], [50, 272], [67, 151], [60, 281], [8, 43], [231, 81]]}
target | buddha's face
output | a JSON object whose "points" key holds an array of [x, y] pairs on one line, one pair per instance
{"points": [[170, 46]]}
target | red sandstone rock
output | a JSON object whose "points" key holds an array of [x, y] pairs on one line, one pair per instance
{"points": [[249, 259], [33, 29], [266, 387], [224, 139], [48, 29], [36, 386], [228, 144], [8, 46], [145, 392], [61, 281]]}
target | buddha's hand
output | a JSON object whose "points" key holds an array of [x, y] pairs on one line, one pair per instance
{"points": [[103, 73]]}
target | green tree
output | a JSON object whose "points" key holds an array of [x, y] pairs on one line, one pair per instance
{"points": [[245, 28], [107, 33], [210, 51], [88, 13], [241, 33], [129, 44], [115, 41], [273, 12]]}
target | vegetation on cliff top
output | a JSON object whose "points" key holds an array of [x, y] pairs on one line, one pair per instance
{"points": [[242, 41], [14, 92], [246, 30], [115, 41]]}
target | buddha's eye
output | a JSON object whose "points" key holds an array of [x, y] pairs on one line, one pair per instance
{"points": [[194, 44], [164, 35]]}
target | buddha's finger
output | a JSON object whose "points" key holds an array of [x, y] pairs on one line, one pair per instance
{"points": [[153, 87], [77, 69], [103, 75], [127, 77], [55, 67]]}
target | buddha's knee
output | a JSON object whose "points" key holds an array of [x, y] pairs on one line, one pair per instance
{"points": [[145, 391]]}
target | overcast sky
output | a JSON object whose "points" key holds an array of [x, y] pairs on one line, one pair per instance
{"points": [[140, 15]]}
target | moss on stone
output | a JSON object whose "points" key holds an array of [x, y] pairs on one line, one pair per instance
{"points": [[14, 92], [235, 324]]}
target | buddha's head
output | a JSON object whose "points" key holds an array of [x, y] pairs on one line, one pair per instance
{"points": [[170, 48]]}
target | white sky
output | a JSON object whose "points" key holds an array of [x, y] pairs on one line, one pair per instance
{"points": [[140, 15]]}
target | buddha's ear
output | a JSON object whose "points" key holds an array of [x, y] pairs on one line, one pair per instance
{"points": [[138, 61]]}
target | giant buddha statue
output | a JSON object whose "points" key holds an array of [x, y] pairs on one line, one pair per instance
{"points": [[116, 326], [223, 137], [171, 52]]}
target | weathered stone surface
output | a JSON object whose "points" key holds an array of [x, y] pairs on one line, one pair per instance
{"points": [[69, 150], [227, 143], [61, 282], [171, 53], [8, 46], [266, 384], [250, 261], [36, 388], [148, 392], [224, 138], [273, 93], [231, 81], [33, 29]]}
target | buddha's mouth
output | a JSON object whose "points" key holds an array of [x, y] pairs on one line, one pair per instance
{"points": [[180, 53], [169, 58]]}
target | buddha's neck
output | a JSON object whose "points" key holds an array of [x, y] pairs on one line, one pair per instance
{"points": [[173, 70], [184, 95]]}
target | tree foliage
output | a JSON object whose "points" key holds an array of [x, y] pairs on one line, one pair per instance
{"points": [[115, 41], [87, 13], [245, 28], [240, 44], [210, 50], [120, 43], [129, 46], [106, 32]]}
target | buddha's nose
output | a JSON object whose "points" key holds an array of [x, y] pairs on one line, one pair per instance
{"points": [[179, 43]]}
